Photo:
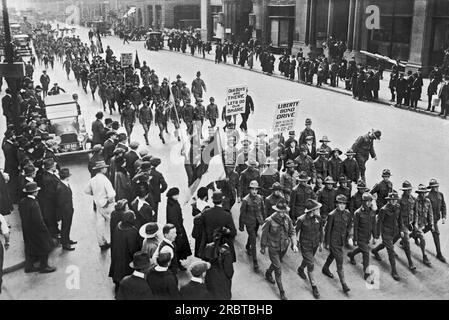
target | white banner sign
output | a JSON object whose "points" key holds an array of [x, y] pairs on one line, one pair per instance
{"points": [[285, 116], [235, 100], [126, 59]]}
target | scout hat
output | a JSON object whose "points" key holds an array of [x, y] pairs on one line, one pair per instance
{"points": [[141, 260], [308, 121], [197, 268], [100, 165], [149, 230], [276, 186], [342, 179], [254, 185], [252, 163], [324, 139], [386, 173], [406, 185], [422, 189], [303, 176], [312, 205], [341, 198], [433, 183], [290, 164], [337, 150], [350, 152], [31, 187], [281, 205], [361, 185], [367, 196], [329, 180], [393, 196], [376, 134]]}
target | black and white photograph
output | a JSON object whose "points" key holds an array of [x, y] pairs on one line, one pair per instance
{"points": [[219, 151]]}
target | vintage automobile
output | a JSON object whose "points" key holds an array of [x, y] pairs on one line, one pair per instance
{"points": [[153, 40], [22, 44], [66, 125]]}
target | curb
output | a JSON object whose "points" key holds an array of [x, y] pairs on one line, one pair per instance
{"points": [[382, 102], [13, 268]]}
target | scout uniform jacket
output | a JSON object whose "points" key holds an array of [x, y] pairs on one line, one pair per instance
{"points": [[311, 231], [438, 205], [423, 214], [298, 198], [364, 224], [337, 227], [276, 232], [390, 221], [407, 208], [252, 211]]}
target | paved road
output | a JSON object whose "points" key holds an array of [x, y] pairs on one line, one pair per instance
{"points": [[412, 146]]}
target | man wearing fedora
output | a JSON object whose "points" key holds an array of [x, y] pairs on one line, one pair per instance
{"points": [[311, 149], [109, 146], [196, 289], [277, 234], [101, 189], [157, 183], [27, 175], [251, 173], [439, 212], [273, 198], [48, 182], [364, 229], [37, 238], [65, 208], [423, 219], [389, 225], [134, 286], [252, 215], [307, 132], [305, 163], [326, 197], [310, 232], [363, 148], [337, 228], [406, 207], [299, 195]]}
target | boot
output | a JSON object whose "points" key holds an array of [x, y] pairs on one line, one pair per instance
{"points": [[301, 273], [327, 272], [436, 240], [395, 275], [283, 297], [345, 288], [367, 276], [441, 257], [269, 276], [376, 255], [426, 261], [351, 258], [315, 292]]}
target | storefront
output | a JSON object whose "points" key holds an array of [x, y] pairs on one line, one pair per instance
{"points": [[282, 25]]}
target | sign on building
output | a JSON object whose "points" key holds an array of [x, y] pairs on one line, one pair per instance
{"points": [[235, 99], [126, 59], [285, 116]]}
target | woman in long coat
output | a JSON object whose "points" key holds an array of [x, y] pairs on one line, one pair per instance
{"points": [[174, 216], [126, 241], [219, 276], [122, 181], [5, 199]]}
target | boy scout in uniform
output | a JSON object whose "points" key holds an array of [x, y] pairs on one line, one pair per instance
{"points": [[422, 219], [337, 228], [310, 230], [277, 234], [252, 213], [439, 212], [364, 228], [300, 194], [406, 206]]}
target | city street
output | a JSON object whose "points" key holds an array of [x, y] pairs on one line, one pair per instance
{"points": [[413, 147]]}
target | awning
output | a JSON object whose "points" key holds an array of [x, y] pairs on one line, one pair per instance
{"points": [[130, 12]]}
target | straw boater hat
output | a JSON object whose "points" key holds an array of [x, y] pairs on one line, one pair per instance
{"points": [[149, 230], [281, 205], [100, 165], [406, 185], [312, 205]]}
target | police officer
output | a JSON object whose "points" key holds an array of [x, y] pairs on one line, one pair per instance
{"points": [[337, 227], [300, 194], [309, 228], [439, 212], [390, 222], [363, 148], [364, 228], [277, 234], [252, 214]]}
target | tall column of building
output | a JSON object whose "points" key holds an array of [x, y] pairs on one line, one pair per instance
{"points": [[163, 12], [155, 22], [350, 42], [260, 11], [420, 42], [206, 20], [230, 16], [312, 25], [358, 25], [330, 18]]}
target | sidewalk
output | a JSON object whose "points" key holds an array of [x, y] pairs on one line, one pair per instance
{"points": [[384, 92], [14, 256]]}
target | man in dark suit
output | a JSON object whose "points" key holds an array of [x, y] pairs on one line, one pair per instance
{"points": [[131, 157], [249, 108], [157, 183], [48, 182], [215, 218], [10, 152], [196, 289], [444, 96], [109, 146], [98, 130], [65, 208], [37, 239], [134, 286], [7, 106]]}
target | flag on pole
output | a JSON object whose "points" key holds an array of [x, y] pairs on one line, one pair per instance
{"points": [[137, 62]]}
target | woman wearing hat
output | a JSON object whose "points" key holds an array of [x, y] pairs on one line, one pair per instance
{"points": [[277, 239], [337, 227], [219, 277], [149, 233], [126, 242], [174, 216]]}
